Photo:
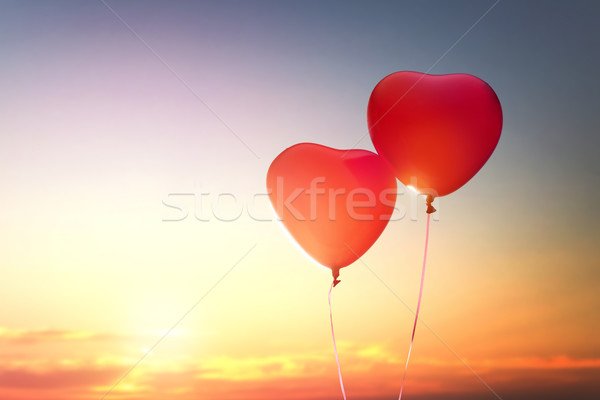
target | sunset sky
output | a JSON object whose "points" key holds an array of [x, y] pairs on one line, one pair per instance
{"points": [[135, 138]]}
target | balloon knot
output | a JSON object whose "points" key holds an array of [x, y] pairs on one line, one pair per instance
{"points": [[428, 201], [336, 274]]}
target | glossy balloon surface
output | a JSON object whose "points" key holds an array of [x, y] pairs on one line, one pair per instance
{"points": [[335, 203], [436, 131]]}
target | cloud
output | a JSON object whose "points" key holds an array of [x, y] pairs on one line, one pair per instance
{"points": [[370, 371], [57, 378], [22, 336]]}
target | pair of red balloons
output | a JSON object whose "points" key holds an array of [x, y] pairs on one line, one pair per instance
{"points": [[435, 132]]}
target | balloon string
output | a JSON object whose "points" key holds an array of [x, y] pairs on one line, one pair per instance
{"points": [[334, 345], [412, 339]]}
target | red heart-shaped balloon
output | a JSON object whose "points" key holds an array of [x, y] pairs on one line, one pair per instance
{"points": [[436, 131], [335, 203]]}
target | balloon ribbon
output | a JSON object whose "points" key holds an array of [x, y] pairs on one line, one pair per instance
{"points": [[412, 339], [333, 336]]}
